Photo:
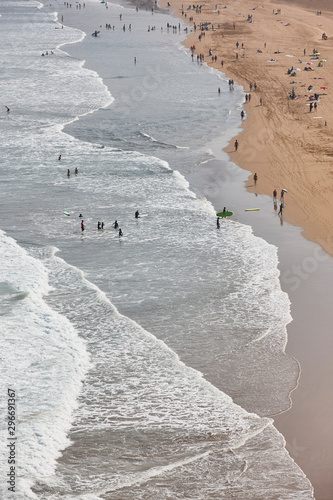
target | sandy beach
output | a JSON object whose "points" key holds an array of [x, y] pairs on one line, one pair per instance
{"points": [[288, 146], [283, 142]]}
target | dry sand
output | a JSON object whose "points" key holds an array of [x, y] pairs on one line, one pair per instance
{"points": [[283, 142], [288, 147]]}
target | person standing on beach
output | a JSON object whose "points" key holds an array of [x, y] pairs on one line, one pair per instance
{"points": [[281, 208], [282, 194], [218, 223], [255, 178], [236, 145], [274, 194]]}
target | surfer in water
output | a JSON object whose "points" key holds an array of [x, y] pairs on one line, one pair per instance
{"points": [[137, 214], [82, 225], [7, 108], [98, 225], [218, 223], [116, 225], [120, 233]]}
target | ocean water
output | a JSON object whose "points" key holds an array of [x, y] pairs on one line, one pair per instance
{"points": [[146, 366]]}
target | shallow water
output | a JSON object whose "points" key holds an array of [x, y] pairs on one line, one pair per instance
{"points": [[132, 349]]}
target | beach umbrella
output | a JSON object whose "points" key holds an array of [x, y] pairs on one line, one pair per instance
{"points": [[285, 190]]}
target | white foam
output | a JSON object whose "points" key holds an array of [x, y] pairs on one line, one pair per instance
{"points": [[45, 363]]}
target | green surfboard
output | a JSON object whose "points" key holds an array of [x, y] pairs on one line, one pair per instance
{"points": [[224, 214]]}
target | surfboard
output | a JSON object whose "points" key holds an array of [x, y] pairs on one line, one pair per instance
{"points": [[251, 209], [66, 213], [224, 214], [143, 215]]}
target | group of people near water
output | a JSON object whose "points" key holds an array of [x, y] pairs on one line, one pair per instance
{"points": [[100, 225]]}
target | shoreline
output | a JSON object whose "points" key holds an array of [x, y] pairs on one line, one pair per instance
{"points": [[273, 142], [306, 424], [295, 441]]}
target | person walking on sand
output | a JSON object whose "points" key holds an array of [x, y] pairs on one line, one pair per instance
{"points": [[236, 145], [274, 194], [282, 194], [281, 208], [255, 178]]}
